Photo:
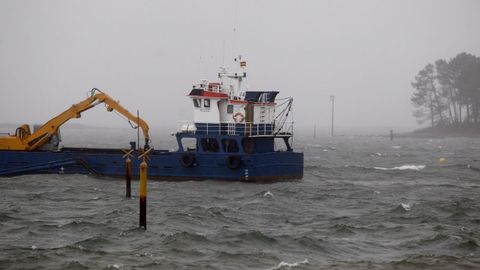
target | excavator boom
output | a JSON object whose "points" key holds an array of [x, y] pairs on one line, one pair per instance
{"points": [[25, 141]]}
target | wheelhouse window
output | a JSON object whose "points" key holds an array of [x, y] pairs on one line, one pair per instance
{"points": [[188, 144], [230, 109], [197, 102], [206, 103]]}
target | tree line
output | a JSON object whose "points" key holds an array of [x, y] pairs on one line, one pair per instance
{"points": [[447, 93]]}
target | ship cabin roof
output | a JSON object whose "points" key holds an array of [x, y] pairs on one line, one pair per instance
{"points": [[204, 93], [261, 96]]}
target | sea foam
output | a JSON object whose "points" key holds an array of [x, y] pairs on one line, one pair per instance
{"points": [[268, 194], [286, 265], [405, 206], [404, 167]]}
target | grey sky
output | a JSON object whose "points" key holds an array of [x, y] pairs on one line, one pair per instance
{"points": [[148, 53]]}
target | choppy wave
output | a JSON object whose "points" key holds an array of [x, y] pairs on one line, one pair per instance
{"points": [[396, 168], [286, 265], [402, 208]]}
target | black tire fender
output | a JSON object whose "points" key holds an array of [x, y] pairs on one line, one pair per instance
{"points": [[187, 160], [233, 162]]}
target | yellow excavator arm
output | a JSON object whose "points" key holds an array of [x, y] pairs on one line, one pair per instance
{"points": [[23, 140]]}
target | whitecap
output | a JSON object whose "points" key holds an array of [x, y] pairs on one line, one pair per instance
{"points": [[396, 147], [268, 194], [403, 167], [34, 247], [405, 206], [286, 265]]}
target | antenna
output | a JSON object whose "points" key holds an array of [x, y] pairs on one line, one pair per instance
{"points": [[223, 54], [235, 27]]}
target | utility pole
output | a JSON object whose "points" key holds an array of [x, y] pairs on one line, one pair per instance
{"points": [[332, 99]]}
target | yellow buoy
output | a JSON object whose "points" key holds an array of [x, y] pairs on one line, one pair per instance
{"points": [[441, 160]]}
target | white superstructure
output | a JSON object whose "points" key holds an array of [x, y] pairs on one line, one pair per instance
{"points": [[226, 102]]}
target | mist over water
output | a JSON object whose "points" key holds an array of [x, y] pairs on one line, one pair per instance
{"points": [[148, 54], [365, 202]]}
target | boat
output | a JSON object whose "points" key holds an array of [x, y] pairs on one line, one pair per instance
{"points": [[235, 135]]}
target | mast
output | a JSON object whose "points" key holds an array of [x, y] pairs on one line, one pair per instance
{"points": [[236, 76]]}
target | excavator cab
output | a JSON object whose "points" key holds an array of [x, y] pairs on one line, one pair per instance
{"points": [[23, 131], [53, 143]]}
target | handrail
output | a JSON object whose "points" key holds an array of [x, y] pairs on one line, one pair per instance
{"points": [[250, 129]]}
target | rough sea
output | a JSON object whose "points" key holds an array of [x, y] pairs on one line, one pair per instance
{"points": [[364, 203]]}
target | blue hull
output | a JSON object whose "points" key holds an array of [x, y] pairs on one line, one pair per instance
{"points": [[271, 166]]}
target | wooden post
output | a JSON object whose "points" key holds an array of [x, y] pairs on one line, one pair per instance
{"points": [[128, 185], [391, 135], [128, 173]]}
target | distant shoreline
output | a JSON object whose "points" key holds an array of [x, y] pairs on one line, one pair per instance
{"points": [[470, 131]]}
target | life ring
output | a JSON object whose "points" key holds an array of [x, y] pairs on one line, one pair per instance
{"points": [[238, 117], [187, 160], [233, 162]]}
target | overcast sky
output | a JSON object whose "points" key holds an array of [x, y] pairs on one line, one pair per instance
{"points": [[147, 54]]}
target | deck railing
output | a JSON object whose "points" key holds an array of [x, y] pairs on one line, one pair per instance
{"points": [[248, 129]]}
